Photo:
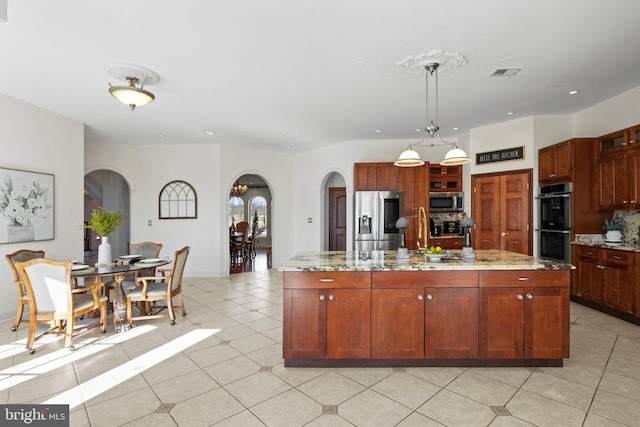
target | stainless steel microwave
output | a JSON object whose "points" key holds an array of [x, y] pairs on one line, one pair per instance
{"points": [[446, 202]]}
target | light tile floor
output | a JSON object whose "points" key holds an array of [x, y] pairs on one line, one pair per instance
{"points": [[233, 374]]}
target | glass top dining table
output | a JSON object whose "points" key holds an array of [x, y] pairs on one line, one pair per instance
{"points": [[117, 272]]}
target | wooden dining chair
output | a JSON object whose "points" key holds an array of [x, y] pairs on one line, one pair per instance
{"points": [[238, 248], [23, 299], [250, 244], [159, 288], [52, 300], [145, 250]]}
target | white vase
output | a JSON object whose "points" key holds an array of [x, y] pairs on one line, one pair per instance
{"points": [[104, 251], [613, 236]]}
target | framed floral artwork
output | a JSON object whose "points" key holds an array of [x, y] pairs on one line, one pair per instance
{"points": [[26, 206]]}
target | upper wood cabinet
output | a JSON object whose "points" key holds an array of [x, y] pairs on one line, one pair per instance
{"points": [[445, 178], [414, 184], [555, 163], [618, 183], [376, 176], [575, 161]]}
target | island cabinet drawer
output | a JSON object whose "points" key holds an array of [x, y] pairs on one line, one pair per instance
{"points": [[517, 278], [327, 280], [422, 279]]}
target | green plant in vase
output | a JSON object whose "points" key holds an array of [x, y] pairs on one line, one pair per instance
{"points": [[104, 222], [613, 228]]}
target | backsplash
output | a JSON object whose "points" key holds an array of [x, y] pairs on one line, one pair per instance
{"points": [[630, 234]]}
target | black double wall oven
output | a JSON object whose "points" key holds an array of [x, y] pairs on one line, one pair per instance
{"points": [[554, 203]]}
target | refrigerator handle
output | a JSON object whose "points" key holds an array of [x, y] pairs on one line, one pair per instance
{"points": [[379, 224]]}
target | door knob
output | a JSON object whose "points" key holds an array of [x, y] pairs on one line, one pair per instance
{"points": [[321, 297], [529, 296], [429, 297], [504, 233], [520, 297], [331, 297], [420, 297]]}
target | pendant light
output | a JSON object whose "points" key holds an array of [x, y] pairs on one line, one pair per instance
{"points": [[430, 62]]}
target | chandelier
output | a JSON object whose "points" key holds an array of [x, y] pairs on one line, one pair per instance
{"points": [[429, 63], [134, 93], [238, 190]]}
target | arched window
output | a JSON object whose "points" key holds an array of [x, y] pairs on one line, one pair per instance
{"points": [[258, 212], [178, 199], [236, 210]]}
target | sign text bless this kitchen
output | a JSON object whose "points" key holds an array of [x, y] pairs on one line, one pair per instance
{"points": [[515, 153]]}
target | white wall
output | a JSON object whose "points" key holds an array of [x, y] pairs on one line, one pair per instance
{"points": [[37, 140]]}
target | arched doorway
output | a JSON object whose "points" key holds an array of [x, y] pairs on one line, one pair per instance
{"points": [[335, 213], [254, 208], [110, 190]]}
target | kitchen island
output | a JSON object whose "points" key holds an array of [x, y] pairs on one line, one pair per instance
{"points": [[375, 309]]}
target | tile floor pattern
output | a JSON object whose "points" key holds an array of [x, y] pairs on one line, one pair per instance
{"points": [[236, 377]]}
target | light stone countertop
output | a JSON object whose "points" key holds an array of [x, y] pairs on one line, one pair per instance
{"points": [[388, 261]]}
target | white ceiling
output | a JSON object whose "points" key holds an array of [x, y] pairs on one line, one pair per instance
{"points": [[296, 74]]}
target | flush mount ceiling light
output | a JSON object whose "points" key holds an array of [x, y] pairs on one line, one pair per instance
{"points": [[134, 94], [431, 63]]}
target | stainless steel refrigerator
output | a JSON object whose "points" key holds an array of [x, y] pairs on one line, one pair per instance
{"points": [[376, 213]]}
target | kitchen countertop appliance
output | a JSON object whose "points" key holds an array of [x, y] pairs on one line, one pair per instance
{"points": [[376, 213]]}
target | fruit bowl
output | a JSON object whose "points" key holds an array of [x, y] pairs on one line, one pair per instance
{"points": [[435, 256]]}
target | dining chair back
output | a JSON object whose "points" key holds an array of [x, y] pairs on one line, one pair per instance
{"points": [[158, 288], [23, 299], [52, 300], [145, 250]]}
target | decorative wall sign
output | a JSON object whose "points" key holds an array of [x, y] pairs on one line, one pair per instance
{"points": [[26, 206], [515, 153]]}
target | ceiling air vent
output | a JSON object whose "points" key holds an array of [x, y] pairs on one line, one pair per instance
{"points": [[505, 72]]}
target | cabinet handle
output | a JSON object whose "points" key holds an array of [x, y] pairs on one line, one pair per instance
{"points": [[529, 296], [616, 257], [321, 297], [520, 297], [331, 297], [589, 253], [420, 297], [633, 201], [552, 175], [632, 141], [625, 201], [504, 233], [326, 280], [522, 279], [429, 297]]}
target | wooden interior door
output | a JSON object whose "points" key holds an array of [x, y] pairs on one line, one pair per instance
{"points": [[501, 207], [337, 219]]}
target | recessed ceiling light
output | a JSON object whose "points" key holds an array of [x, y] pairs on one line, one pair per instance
{"points": [[574, 92], [209, 132], [161, 135], [511, 113], [419, 130], [378, 130], [277, 133], [455, 128]]}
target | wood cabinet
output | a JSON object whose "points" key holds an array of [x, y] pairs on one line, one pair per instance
{"points": [[618, 180], [376, 176], [605, 276], [445, 178], [575, 161], [424, 314], [447, 243], [451, 323], [519, 321], [414, 184], [425, 318], [317, 306], [555, 163], [397, 323]]}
